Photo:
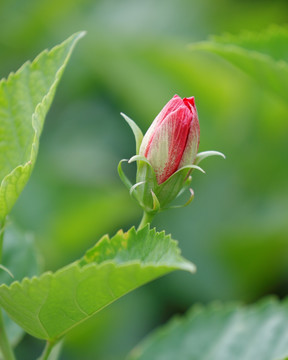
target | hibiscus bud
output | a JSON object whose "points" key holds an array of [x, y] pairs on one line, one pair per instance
{"points": [[166, 156], [172, 140]]}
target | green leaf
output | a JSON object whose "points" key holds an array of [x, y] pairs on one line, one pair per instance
{"points": [[25, 98], [21, 259], [222, 332], [20, 255], [271, 41], [14, 332], [50, 305], [263, 56]]}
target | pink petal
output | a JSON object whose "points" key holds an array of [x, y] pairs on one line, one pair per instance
{"points": [[168, 143]]}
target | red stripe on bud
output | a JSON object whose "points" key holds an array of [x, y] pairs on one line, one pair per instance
{"points": [[173, 138]]}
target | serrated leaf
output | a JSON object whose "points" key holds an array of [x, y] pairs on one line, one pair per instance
{"points": [[49, 306], [25, 98], [222, 332], [263, 56]]}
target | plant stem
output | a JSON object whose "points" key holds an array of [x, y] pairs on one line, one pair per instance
{"points": [[4, 342], [47, 350], [147, 218], [2, 226], [5, 346]]}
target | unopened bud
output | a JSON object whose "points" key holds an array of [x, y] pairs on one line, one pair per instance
{"points": [[166, 155]]}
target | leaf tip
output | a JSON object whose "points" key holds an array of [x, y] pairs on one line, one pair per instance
{"points": [[82, 33], [79, 34], [190, 267]]}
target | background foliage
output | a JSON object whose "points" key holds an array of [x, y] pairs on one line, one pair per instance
{"points": [[134, 58]]}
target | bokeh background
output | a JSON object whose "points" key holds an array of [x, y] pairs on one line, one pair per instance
{"points": [[134, 58]]}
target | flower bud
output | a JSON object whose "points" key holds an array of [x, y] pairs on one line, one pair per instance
{"points": [[172, 140], [166, 156]]}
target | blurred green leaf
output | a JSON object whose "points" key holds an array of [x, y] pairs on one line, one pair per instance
{"points": [[25, 98], [272, 41], [263, 56], [14, 332], [85, 215], [20, 257], [49, 306], [222, 332]]}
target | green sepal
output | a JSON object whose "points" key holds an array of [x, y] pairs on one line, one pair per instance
{"points": [[136, 131], [172, 187], [203, 155], [139, 158], [133, 192], [156, 203], [191, 198], [151, 196], [191, 167], [186, 185], [146, 176], [142, 190], [132, 189], [122, 175]]}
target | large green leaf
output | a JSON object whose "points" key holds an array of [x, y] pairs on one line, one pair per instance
{"points": [[263, 56], [48, 306], [25, 98], [220, 332]]}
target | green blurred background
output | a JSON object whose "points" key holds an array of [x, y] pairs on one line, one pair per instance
{"points": [[134, 58]]}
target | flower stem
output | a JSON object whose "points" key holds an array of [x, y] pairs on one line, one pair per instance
{"points": [[4, 342], [147, 218], [2, 226], [47, 350], [5, 346]]}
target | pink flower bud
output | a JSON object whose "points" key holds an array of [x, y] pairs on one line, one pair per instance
{"points": [[172, 140]]}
